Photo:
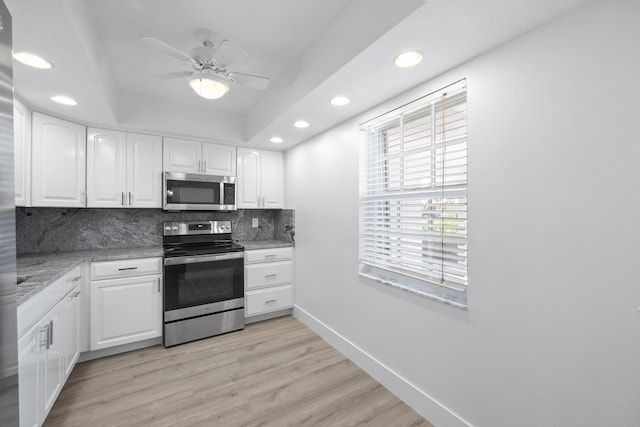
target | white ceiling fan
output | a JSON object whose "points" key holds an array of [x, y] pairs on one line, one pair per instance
{"points": [[210, 77]]}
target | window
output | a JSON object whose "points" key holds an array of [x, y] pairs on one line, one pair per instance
{"points": [[413, 196]]}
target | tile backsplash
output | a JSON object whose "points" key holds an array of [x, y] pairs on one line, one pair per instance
{"points": [[60, 229]]}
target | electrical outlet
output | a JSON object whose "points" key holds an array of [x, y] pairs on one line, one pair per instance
{"points": [[254, 222]]}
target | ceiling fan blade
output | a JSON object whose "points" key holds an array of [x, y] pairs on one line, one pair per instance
{"points": [[228, 52], [174, 75], [166, 48], [249, 80]]}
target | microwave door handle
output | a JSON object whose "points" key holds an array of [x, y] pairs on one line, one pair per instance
{"points": [[170, 193]]}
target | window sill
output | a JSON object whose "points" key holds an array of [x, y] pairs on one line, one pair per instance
{"points": [[417, 292]]}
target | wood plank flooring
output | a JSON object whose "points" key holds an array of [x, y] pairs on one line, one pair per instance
{"points": [[273, 373]]}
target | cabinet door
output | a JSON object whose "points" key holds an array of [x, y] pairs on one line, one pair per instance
{"points": [[144, 171], [58, 167], [22, 153], [71, 316], [182, 156], [53, 357], [271, 178], [106, 168], [248, 182], [30, 376], [218, 159], [125, 310]]}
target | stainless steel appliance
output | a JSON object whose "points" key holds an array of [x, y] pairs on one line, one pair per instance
{"points": [[189, 191], [203, 281], [8, 319]]}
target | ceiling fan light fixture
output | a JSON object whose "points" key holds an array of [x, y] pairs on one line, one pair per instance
{"points": [[209, 87]]}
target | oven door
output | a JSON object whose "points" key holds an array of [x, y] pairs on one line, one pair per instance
{"points": [[203, 284]]}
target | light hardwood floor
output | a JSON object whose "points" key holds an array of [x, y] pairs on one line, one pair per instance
{"points": [[273, 373]]}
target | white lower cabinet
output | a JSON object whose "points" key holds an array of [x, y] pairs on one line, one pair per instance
{"points": [[71, 318], [268, 279], [31, 374], [40, 353], [47, 346], [269, 299], [126, 302]]}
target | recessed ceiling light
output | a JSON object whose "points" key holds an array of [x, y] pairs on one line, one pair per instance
{"points": [[32, 60], [64, 100], [301, 124], [276, 139], [339, 101], [408, 59]]}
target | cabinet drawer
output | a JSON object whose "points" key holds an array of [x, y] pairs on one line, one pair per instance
{"points": [[125, 268], [268, 274], [264, 255], [269, 299]]}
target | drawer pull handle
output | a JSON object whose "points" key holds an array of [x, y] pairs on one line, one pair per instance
{"points": [[75, 279], [270, 256], [270, 301], [271, 275], [44, 338], [128, 268], [50, 334]]}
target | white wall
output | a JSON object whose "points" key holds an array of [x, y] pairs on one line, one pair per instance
{"points": [[552, 334]]}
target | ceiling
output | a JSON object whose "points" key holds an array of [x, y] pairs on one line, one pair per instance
{"points": [[310, 50]]}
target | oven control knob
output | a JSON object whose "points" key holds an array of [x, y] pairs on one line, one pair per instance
{"points": [[168, 228], [174, 228]]}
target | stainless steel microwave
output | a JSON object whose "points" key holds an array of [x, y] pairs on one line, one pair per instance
{"points": [[198, 192]]}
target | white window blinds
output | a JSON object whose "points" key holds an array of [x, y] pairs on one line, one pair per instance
{"points": [[413, 196]]}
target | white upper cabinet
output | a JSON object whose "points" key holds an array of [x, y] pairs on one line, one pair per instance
{"points": [[271, 179], [58, 162], [123, 169], [199, 157], [248, 182], [22, 153], [218, 159], [144, 171], [182, 156], [106, 168], [260, 179]]}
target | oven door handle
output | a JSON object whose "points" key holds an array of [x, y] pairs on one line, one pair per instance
{"points": [[202, 258]]}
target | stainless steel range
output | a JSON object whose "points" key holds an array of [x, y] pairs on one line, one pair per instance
{"points": [[203, 281]]}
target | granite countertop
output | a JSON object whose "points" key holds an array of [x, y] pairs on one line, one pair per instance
{"points": [[264, 244], [37, 271]]}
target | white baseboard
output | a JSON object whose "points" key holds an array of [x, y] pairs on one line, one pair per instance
{"points": [[420, 401], [96, 354]]}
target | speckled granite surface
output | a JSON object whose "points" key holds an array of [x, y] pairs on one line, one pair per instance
{"points": [[40, 270], [52, 241], [64, 230], [264, 244]]}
